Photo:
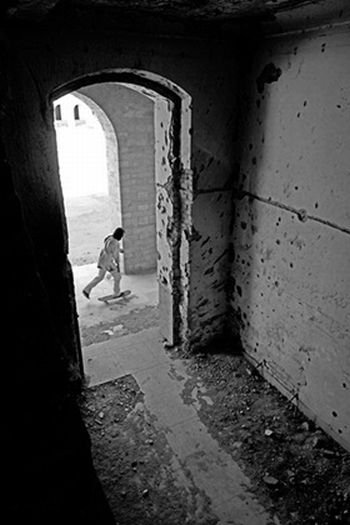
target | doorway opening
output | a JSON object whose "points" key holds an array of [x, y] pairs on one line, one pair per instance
{"points": [[133, 131]]}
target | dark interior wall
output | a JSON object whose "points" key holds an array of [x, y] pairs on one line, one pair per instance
{"points": [[47, 467], [290, 299], [29, 139], [208, 71]]}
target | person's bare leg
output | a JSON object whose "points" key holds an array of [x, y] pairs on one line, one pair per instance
{"points": [[95, 281], [117, 278]]}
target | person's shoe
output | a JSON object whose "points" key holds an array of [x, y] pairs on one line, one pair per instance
{"points": [[87, 295]]}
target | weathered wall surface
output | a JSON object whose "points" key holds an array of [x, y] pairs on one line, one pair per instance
{"points": [[131, 115], [290, 287], [202, 69], [164, 210]]}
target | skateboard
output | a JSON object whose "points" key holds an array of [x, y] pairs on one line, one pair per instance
{"points": [[108, 298]]}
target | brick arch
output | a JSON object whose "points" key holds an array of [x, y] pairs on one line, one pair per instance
{"points": [[112, 155], [132, 115], [174, 191]]}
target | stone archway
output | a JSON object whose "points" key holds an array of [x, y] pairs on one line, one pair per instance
{"points": [[173, 190]]}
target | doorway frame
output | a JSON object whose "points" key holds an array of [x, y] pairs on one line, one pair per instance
{"points": [[179, 186]]}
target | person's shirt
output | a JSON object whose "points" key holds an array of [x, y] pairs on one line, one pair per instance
{"points": [[109, 255]]}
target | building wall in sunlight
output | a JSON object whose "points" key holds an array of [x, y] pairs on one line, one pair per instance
{"points": [[81, 149]]}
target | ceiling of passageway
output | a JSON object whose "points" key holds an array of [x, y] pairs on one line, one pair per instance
{"points": [[204, 10]]}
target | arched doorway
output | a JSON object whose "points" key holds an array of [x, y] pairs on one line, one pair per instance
{"points": [[173, 181]]}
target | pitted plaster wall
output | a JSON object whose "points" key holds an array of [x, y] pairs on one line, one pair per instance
{"points": [[131, 114], [164, 210], [290, 287]]}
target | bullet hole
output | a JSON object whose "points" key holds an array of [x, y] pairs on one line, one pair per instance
{"points": [[243, 225], [296, 188], [254, 161], [295, 50], [278, 241], [250, 147], [239, 291], [263, 140], [339, 106], [291, 265], [316, 205], [277, 284], [302, 215], [344, 385], [334, 414], [261, 294], [262, 260], [243, 261], [269, 74], [340, 431], [305, 103], [323, 47], [244, 315], [298, 114]]}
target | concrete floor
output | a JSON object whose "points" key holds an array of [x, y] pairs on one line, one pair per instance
{"points": [[144, 292], [200, 462]]}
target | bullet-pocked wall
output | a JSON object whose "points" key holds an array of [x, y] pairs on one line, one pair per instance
{"points": [[209, 72], [290, 298], [132, 117]]}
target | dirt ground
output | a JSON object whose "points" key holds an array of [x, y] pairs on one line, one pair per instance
{"points": [[300, 475], [132, 460], [130, 323]]}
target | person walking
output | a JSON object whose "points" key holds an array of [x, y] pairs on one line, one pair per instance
{"points": [[108, 261]]}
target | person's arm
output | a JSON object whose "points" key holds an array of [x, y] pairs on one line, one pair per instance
{"points": [[116, 252]]}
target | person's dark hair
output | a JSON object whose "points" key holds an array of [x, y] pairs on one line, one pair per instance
{"points": [[118, 233]]}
